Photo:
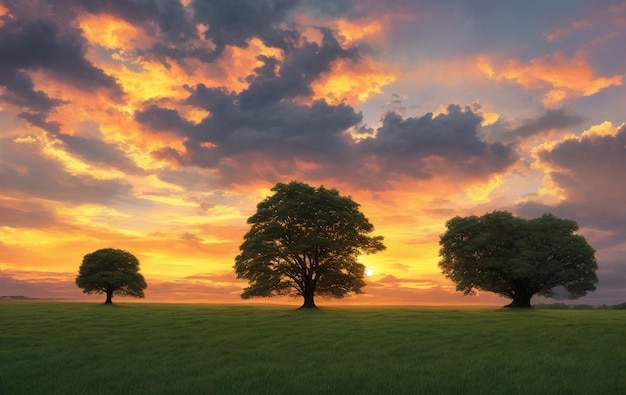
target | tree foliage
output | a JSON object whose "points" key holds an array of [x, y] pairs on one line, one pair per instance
{"points": [[304, 241], [517, 258], [111, 271]]}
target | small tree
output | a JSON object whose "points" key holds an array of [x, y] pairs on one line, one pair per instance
{"points": [[111, 271], [517, 258], [305, 241]]}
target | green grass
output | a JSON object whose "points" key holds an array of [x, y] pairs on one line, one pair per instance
{"points": [[79, 348]]}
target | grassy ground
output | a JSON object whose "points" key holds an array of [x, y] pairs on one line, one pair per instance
{"points": [[79, 348]]}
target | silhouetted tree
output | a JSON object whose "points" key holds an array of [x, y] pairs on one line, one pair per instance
{"points": [[517, 258], [304, 241], [111, 271]]}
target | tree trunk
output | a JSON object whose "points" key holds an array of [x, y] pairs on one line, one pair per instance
{"points": [[521, 299], [109, 297], [309, 302]]}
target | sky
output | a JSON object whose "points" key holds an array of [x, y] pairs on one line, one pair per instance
{"points": [[157, 126]]}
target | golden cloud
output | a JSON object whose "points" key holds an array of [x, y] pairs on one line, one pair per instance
{"points": [[353, 83], [113, 33], [556, 73]]}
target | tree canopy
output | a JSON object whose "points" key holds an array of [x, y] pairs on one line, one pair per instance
{"points": [[305, 241], [517, 258], [111, 271]]}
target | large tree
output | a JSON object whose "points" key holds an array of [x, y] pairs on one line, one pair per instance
{"points": [[111, 271], [304, 241], [517, 258]]}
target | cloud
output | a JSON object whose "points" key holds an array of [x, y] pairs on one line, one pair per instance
{"points": [[98, 152], [166, 17], [159, 119], [234, 23], [26, 170], [40, 44], [21, 91], [169, 30], [414, 146], [40, 120], [292, 77], [556, 74], [17, 214], [90, 149], [549, 120], [315, 135], [588, 168], [234, 133]]}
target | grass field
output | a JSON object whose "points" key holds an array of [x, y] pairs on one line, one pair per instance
{"points": [[81, 348]]}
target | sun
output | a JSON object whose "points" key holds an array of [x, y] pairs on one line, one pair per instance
{"points": [[369, 271]]}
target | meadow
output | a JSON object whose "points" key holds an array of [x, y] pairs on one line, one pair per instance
{"points": [[135, 348]]}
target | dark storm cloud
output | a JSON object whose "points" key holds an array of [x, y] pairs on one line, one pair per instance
{"points": [[21, 91], [236, 140], [228, 22], [266, 124], [551, 119], [173, 26], [277, 132], [26, 170], [40, 120], [444, 134], [264, 118], [590, 172], [293, 77], [235, 128], [591, 168], [163, 120], [167, 21], [234, 22], [39, 44], [571, 152], [403, 145]]}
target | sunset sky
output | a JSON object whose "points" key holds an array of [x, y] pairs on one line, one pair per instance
{"points": [[157, 126]]}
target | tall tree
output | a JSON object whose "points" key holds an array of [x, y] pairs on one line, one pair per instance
{"points": [[517, 258], [111, 271], [305, 241]]}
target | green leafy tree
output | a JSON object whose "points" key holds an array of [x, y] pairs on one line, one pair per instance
{"points": [[111, 271], [517, 258], [304, 241]]}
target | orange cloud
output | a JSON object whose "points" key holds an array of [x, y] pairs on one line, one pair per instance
{"points": [[3, 11], [352, 31], [351, 82], [112, 33], [560, 76], [569, 28], [238, 63]]}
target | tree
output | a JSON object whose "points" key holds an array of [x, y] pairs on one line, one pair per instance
{"points": [[517, 258], [111, 271], [304, 241]]}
